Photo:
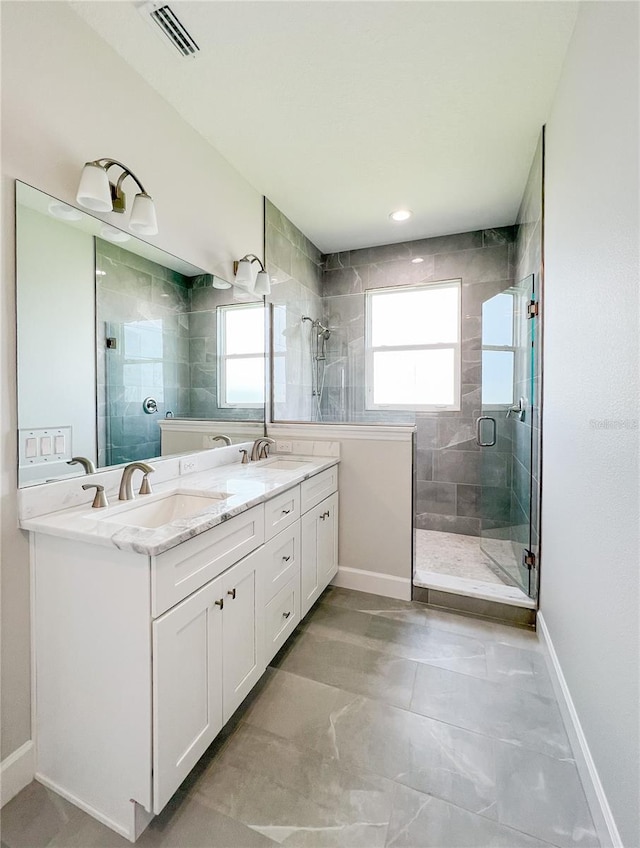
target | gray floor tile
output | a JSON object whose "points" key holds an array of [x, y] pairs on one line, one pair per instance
{"points": [[519, 667], [420, 821], [362, 601], [371, 737], [35, 816], [188, 823], [295, 796], [543, 796], [409, 640], [503, 712], [349, 666]]}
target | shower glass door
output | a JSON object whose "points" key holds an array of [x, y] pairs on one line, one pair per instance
{"points": [[505, 432]]}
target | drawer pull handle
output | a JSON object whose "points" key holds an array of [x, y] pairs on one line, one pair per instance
{"points": [[286, 559], [286, 511], [232, 592], [286, 614], [220, 603], [325, 515]]}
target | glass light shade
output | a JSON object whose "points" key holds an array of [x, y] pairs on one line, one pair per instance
{"points": [[263, 284], [244, 275], [94, 192], [143, 216]]}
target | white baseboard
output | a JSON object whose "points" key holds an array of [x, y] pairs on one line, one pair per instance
{"points": [[17, 771], [596, 797], [371, 581]]}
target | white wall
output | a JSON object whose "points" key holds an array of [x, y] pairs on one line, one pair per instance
{"points": [[590, 562], [66, 98], [56, 273], [376, 511]]}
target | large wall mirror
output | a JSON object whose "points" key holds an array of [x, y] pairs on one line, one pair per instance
{"points": [[125, 352]]}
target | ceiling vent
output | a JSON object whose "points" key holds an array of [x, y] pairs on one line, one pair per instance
{"points": [[162, 15]]}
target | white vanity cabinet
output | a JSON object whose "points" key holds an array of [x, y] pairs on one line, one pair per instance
{"points": [[206, 660], [142, 659]]}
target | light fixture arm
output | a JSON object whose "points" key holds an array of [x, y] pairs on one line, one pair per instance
{"points": [[250, 257], [117, 194]]}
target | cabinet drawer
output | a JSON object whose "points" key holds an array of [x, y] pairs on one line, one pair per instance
{"points": [[318, 488], [282, 558], [281, 512], [282, 614], [183, 569]]}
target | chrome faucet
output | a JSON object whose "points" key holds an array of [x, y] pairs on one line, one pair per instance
{"points": [[126, 489], [224, 438], [87, 464], [260, 449]]}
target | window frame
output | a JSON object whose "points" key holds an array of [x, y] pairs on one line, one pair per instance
{"points": [[223, 356], [370, 349]]}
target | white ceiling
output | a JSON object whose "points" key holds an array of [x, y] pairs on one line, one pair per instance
{"points": [[342, 111]]}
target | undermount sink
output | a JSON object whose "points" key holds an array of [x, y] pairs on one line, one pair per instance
{"points": [[163, 510], [282, 465]]}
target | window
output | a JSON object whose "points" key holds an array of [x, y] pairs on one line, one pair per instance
{"points": [[498, 350], [413, 347], [241, 355]]}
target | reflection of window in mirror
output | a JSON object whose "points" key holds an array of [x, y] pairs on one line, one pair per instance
{"points": [[241, 355]]}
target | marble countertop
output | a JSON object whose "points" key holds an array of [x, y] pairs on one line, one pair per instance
{"points": [[246, 485]]}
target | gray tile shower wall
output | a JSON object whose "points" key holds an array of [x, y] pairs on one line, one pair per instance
{"points": [[449, 490], [144, 307]]}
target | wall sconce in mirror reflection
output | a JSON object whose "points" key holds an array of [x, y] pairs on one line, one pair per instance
{"points": [[260, 283], [98, 194]]}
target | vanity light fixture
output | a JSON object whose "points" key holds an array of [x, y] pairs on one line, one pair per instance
{"points": [[401, 215], [219, 283], [417, 260], [97, 193], [243, 270]]}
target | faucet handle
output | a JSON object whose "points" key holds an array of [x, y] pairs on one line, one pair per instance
{"points": [[264, 451], [100, 499], [145, 486], [245, 456]]}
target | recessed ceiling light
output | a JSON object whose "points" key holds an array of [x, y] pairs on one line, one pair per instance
{"points": [[401, 215], [113, 234], [65, 212], [417, 260]]}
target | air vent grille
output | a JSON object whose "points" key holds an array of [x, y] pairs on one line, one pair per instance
{"points": [[166, 19]]}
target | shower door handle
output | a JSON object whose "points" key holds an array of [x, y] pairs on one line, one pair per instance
{"points": [[479, 441]]}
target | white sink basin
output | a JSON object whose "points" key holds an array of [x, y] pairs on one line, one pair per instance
{"points": [[162, 510], [282, 465]]}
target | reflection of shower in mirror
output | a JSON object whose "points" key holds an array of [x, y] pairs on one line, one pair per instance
{"points": [[318, 350]]}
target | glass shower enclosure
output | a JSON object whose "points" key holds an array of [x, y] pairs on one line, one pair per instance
{"points": [[507, 433]]}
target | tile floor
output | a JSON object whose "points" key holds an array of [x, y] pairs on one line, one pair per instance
{"points": [[381, 723]]}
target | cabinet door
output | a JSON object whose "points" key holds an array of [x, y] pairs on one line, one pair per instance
{"points": [[328, 541], [309, 576], [187, 687], [319, 559], [243, 618]]}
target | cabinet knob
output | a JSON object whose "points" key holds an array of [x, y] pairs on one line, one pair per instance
{"points": [[286, 511], [286, 614], [220, 603], [232, 592]]}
